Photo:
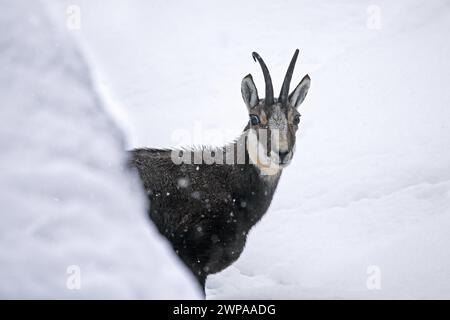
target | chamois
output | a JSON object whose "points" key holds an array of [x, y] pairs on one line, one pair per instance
{"points": [[206, 208]]}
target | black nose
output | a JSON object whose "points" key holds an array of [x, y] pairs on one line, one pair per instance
{"points": [[283, 156]]}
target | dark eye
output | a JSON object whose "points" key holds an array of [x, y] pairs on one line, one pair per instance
{"points": [[254, 119], [297, 119]]}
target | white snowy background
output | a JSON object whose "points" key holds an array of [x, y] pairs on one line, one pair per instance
{"points": [[363, 211]]}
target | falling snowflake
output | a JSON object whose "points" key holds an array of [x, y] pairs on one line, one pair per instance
{"points": [[183, 182]]}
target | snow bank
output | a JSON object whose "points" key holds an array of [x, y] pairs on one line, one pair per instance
{"points": [[73, 222]]}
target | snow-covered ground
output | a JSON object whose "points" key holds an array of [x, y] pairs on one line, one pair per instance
{"points": [[364, 209], [73, 219]]}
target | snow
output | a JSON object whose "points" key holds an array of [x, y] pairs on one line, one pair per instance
{"points": [[73, 217], [368, 193]]}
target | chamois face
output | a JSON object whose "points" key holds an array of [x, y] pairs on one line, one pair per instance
{"points": [[274, 127], [273, 123]]}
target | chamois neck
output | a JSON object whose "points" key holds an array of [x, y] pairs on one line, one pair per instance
{"points": [[269, 174]]}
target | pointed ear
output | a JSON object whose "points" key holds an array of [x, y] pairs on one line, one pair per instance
{"points": [[249, 92], [298, 95]]}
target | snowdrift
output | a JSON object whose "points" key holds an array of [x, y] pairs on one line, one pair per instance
{"points": [[73, 218]]}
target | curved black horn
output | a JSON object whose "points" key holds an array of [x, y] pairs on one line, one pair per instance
{"points": [[268, 100], [284, 93]]}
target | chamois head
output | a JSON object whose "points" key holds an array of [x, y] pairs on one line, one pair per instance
{"points": [[273, 122]]}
